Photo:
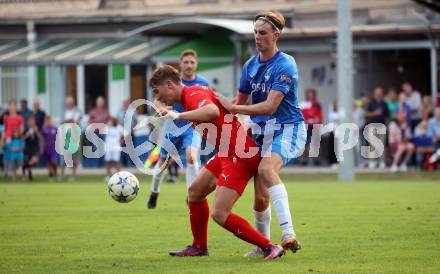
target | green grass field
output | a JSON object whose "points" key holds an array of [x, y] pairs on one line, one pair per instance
{"points": [[380, 224]]}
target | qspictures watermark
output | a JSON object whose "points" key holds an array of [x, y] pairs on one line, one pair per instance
{"points": [[68, 139]]}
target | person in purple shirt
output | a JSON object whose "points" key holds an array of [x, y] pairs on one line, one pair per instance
{"points": [[49, 133]]}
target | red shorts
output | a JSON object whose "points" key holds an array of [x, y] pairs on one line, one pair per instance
{"points": [[233, 172]]}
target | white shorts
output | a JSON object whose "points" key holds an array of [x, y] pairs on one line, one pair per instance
{"points": [[113, 155]]}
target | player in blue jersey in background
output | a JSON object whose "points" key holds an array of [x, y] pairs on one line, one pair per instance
{"points": [[270, 79], [187, 143]]}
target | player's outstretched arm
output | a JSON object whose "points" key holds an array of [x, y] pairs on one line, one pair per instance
{"points": [[204, 114], [267, 107]]}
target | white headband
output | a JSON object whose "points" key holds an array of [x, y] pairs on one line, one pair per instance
{"points": [[268, 21]]}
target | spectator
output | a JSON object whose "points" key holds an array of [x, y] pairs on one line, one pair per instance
{"points": [[403, 106], [427, 105], [113, 140], [359, 112], [1, 134], [434, 132], [16, 147], [99, 115], [33, 141], [72, 115], [125, 158], [12, 121], [332, 142], [392, 101], [377, 112], [333, 115], [312, 112], [25, 112], [399, 140], [120, 116], [422, 128], [49, 133], [422, 140], [311, 108], [414, 100], [39, 114]]}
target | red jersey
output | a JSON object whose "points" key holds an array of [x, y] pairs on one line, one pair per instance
{"points": [[11, 123], [228, 131], [311, 111]]}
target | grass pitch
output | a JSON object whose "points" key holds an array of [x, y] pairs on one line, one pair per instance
{"points": [[380, 224]]}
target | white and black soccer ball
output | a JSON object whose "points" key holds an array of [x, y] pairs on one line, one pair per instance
{"points": [[123, 186]]}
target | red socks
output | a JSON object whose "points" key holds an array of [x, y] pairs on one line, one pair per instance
{"points": [[199, 217], [243, 230]]}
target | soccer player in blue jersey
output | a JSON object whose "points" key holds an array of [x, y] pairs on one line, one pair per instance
{"points": [[270, 79], [187, 143]]}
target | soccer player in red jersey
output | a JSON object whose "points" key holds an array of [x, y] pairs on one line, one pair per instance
{"points": [[228, 171]]}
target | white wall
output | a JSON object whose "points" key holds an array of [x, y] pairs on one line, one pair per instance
{"points": [[118, 90]]}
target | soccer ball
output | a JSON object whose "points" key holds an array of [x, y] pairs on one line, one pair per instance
{"points": [[123, 186]]}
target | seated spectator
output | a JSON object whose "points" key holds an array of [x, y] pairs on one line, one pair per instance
{"points": [[377, 113], [414, 100], [399, 140], [434, 132], [392, 101], [359, 112], [403, 106], [427, 105], [422, 140]]}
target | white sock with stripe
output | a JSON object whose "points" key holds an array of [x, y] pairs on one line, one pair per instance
{"points": [[280, 202]]}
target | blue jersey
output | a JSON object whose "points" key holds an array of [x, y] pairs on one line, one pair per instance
{"points": [[199, 81], [278, 73], [16, 148]]}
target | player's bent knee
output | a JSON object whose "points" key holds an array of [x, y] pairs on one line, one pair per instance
{"points": [[219, 215], [194, 194]]}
